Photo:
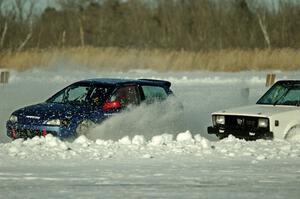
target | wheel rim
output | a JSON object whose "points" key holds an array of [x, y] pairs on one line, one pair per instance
{"points": [[83, 127]]}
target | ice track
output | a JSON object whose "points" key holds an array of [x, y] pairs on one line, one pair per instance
{"points": [[140, 162]]}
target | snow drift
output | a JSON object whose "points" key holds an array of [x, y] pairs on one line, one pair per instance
{"points": [[50, 147]]}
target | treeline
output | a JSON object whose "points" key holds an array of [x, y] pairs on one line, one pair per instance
{"points": [[192, 25]]}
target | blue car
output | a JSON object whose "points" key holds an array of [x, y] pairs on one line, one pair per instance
{"points": [[70, 112]]}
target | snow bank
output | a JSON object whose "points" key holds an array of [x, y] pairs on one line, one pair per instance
{"points": [[50, 147]]}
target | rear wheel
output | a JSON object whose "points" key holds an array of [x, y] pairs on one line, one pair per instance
{"points": [[83, 127]]}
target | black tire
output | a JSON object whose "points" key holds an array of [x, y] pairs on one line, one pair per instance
{"points": [[83, 127]]}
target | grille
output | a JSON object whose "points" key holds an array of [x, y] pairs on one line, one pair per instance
{"points": [[241, 122], [26, 133], [24, 120]]}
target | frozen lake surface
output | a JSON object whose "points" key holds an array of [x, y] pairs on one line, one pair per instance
{"points": [[139, 162]]}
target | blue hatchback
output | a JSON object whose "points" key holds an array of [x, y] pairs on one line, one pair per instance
{"points": [[71, 111]]}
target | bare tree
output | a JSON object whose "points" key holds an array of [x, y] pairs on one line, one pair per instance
{"points": [[3, 35], [28, 37], [263, 27], [73, 4], [170, 24], [19, 7]]}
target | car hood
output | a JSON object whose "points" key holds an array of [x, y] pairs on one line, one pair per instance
{"points": [[258, 110], [45, 111]]}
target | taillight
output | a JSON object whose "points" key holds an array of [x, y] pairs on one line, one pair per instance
{"points": [[111, 105], [44, 133]]}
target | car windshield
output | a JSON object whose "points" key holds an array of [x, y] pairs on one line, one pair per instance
{"points": [[81, 95], [282, 94]]}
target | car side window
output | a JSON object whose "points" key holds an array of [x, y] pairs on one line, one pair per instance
{"points": [[73, 94], [127, 95], [98, 95], [154, 93], [78, 93], [291, 98]]}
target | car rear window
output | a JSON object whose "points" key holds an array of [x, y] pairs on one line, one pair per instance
{"points": [[154, 93]]}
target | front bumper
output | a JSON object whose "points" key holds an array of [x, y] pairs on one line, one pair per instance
{"points": [[16, 130], [240, 133]]}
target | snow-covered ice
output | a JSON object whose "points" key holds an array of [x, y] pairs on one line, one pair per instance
{"points": [[147, 162], [188, 167]]}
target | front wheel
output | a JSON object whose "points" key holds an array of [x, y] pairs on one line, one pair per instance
{"points": [[83, 127], [293, 134]]}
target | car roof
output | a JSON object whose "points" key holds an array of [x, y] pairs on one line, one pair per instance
{"points": [[119, 81], [288, 81]]}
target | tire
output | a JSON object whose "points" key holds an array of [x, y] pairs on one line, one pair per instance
{"points": [[293, 134], [83, 127], [221, 137]]}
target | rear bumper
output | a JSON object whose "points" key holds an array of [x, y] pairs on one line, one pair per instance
{"points": [[16, 131], [242, 134]]}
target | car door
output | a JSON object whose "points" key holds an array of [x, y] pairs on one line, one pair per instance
{"points": [[124, 97], [97, 100]]}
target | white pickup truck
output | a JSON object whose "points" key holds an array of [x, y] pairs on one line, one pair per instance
{"points": [[275, 115]]}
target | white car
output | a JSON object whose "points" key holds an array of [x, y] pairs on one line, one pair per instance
{"points": [[275, 115]]}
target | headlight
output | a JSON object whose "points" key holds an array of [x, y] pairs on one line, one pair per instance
{"points": [[54, 122], [218, 119], [13, 118], [65, 122], [263, 122]]}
